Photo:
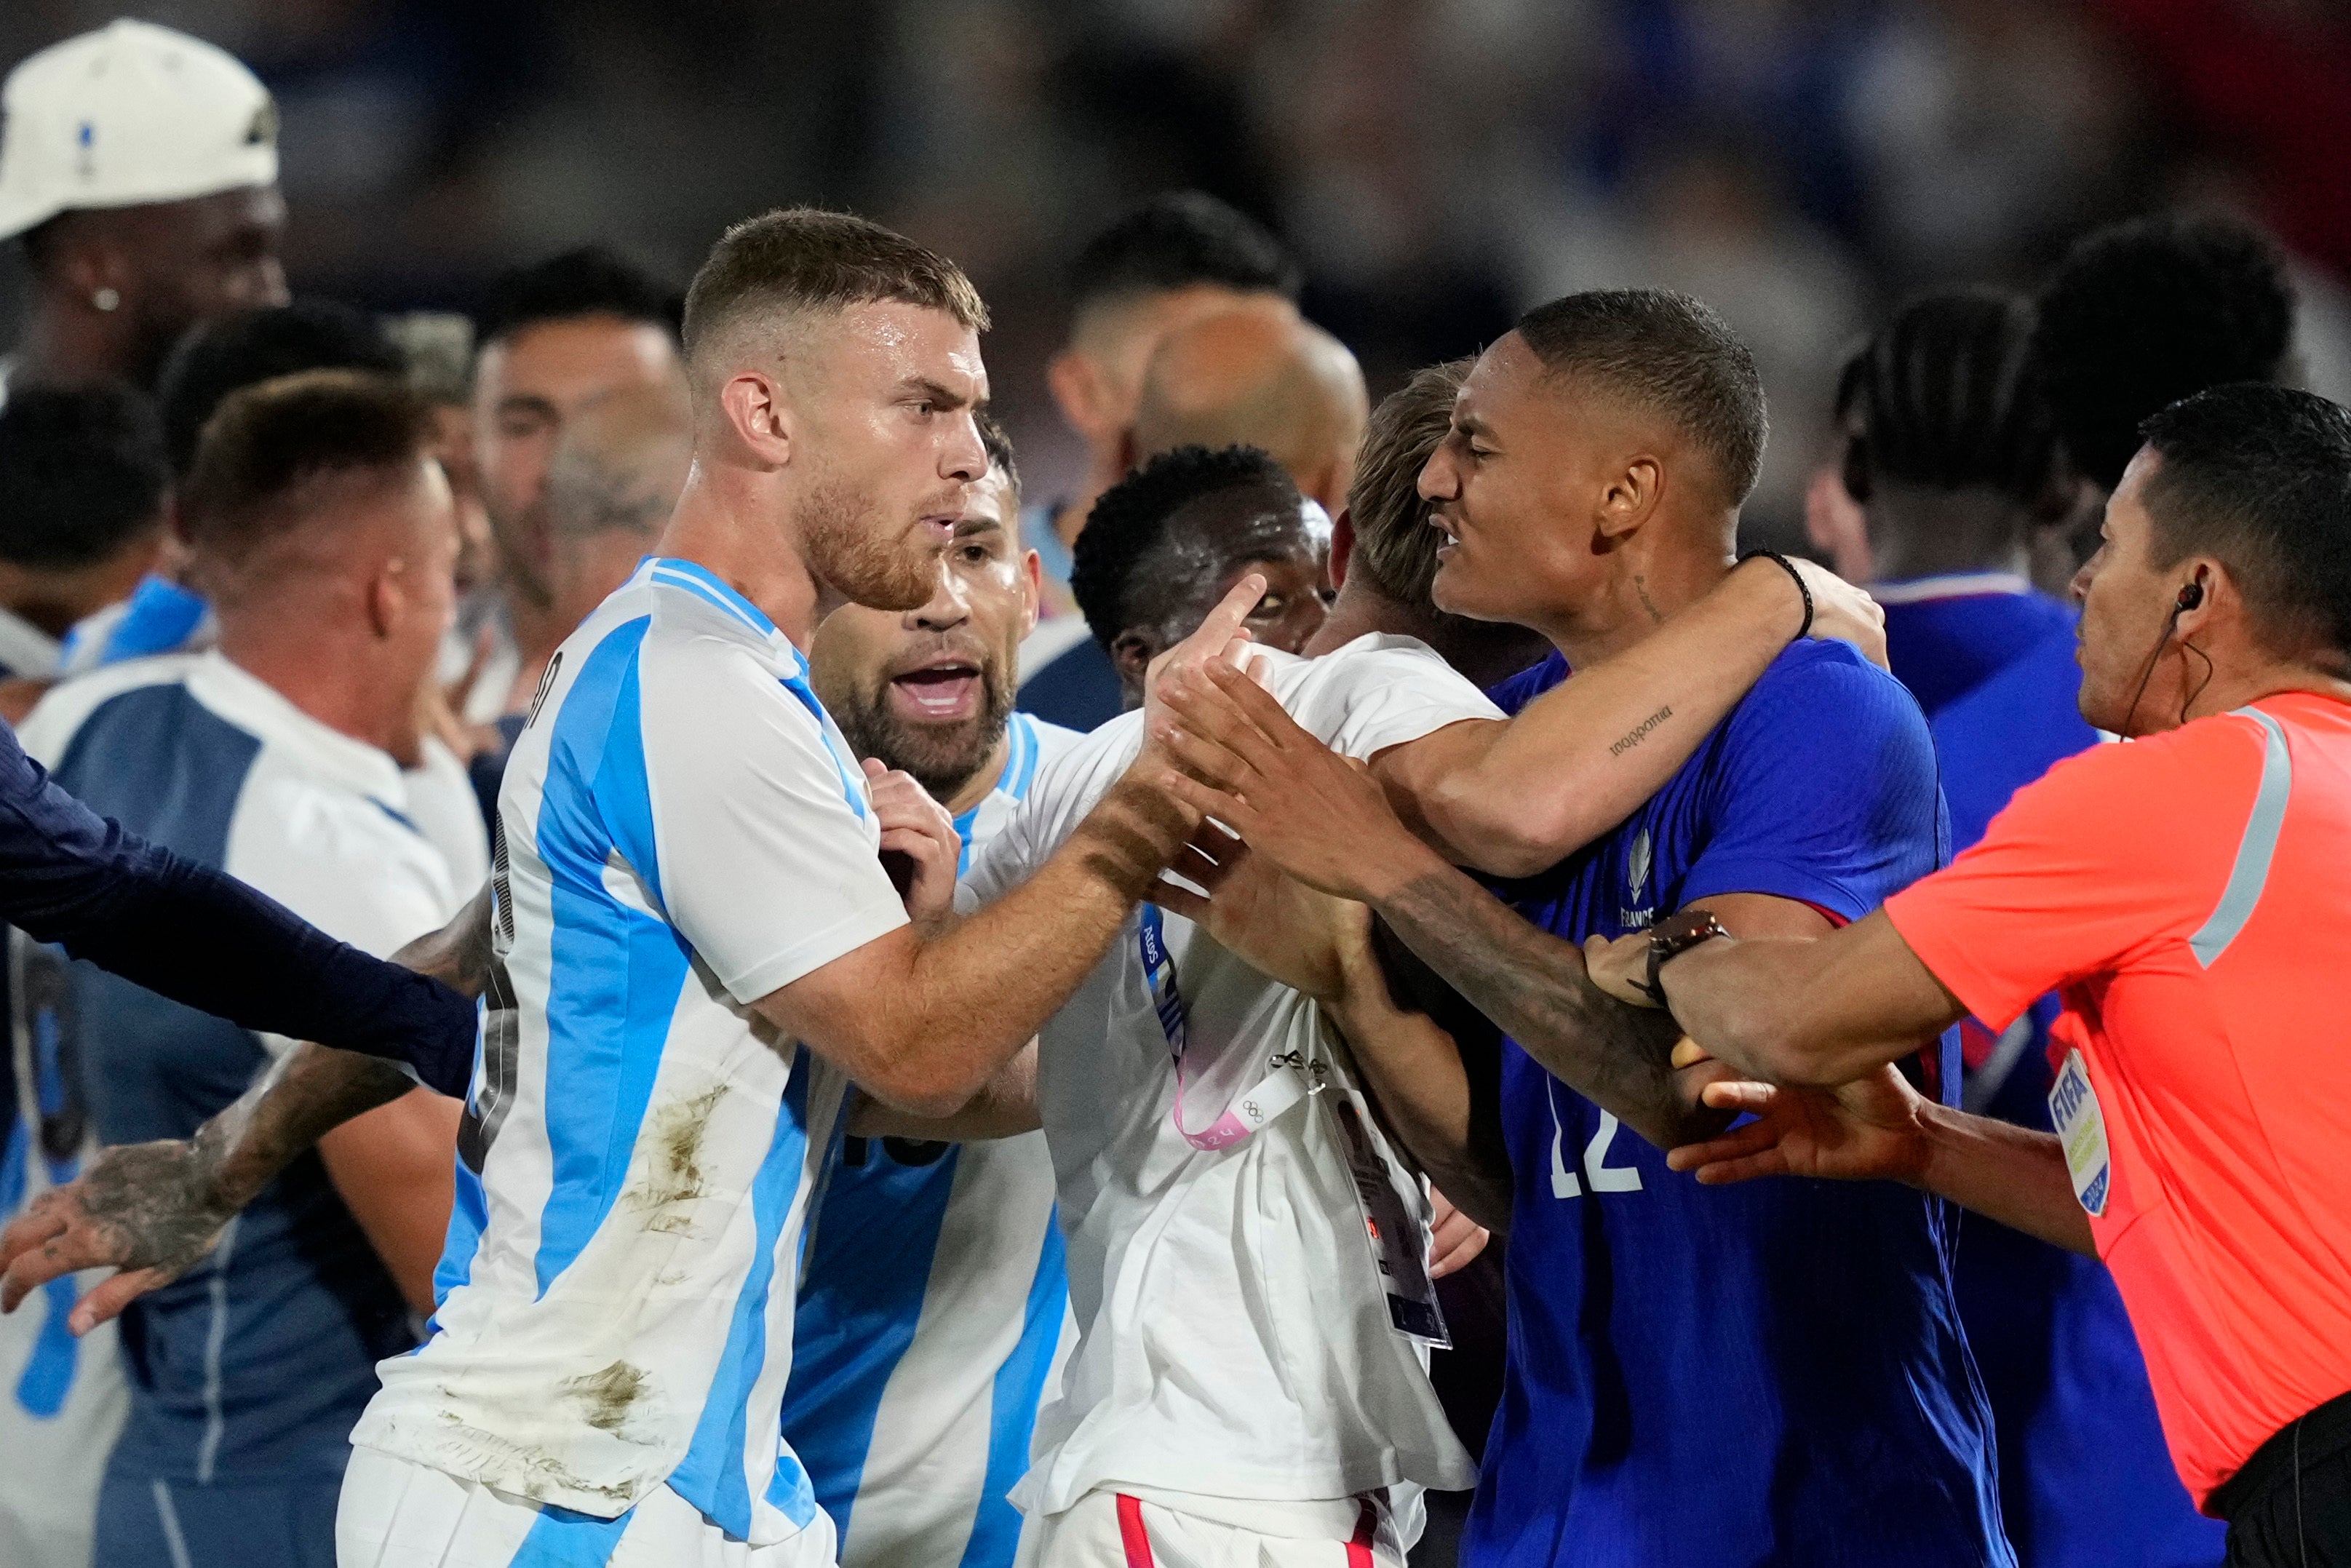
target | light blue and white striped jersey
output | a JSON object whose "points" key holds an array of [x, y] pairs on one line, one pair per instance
{"points": [[682, 831], [933, 1310]]}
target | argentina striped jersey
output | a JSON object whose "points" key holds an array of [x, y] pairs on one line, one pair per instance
{"points": [[932, 1315], [682, 831]]}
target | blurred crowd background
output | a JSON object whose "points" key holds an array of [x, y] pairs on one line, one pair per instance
{"points": [[1438, 164]]}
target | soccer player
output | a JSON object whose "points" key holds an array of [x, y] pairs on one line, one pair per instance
{"points": [[935, 1293], [1178, 533], [1689, 1380], [1952, 456], [553, 335], [2185, 892], [1208, 1192], [698, 949], [330, 534], [1383, 553], [1180, 257], [140, 167]]}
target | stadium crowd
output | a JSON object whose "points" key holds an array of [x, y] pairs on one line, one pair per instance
{"points": [[623, 952]]}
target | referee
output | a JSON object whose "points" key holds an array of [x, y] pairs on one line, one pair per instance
{"points": [[2190, 896]]}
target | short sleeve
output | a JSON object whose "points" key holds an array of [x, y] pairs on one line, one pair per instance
{"points": [[1364, 699], [1820, 788], [1068, 784], [765, 856], [2109, 850]]}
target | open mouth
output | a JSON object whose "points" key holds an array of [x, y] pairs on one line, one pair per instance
{"points": [[944, 693], [939, 530]]}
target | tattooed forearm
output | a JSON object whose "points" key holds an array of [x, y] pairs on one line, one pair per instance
{"points": [[1534, 987], [459, 954], [305, 1096], [1639, 732]]}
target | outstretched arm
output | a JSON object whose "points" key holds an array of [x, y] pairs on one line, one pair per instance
{"points": [[1817, 1012], [154, 1211], [1879, 1128], [1328, 824], [183, 931], [1514, 798]]}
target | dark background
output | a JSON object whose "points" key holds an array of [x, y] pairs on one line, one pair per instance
{"points": [[1438, 163]]}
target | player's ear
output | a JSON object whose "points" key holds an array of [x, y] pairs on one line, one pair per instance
{"points": [[1131, 653], [387, 597], [1630, 496], [756, 413], [1343, 547], [1078, 393], [1033, 589]]}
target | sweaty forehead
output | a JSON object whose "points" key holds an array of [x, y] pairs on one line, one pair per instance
{"points": [[885, 342], [1242, 524]]}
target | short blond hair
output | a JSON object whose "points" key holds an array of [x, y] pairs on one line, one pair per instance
{"points": [[799, 260]]}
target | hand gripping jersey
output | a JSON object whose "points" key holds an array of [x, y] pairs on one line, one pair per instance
{"points": [[684, 832], [932, 1312], [1234, 1339], [1768, 1373]]}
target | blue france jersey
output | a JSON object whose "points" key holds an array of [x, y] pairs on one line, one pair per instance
{"points": [[2086, 1478], [684, 831], [1946, 635], [1768, 1373], [932, 1303]]}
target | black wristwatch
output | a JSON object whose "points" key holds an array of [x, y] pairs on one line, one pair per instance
{"points": [[1677, 935]]}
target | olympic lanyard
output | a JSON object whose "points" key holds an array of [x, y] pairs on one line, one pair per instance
{"points": [[1289, 1078]]}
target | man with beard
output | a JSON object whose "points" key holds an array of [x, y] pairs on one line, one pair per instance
{"points": [[140, 167], [698, 949], [934, 1292]]}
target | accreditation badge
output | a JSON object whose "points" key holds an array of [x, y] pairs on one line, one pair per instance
{"points": [[2081, 1131]]}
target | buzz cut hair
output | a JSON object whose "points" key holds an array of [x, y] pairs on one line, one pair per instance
{"points": [[1667, 352], [800, 260], [258, 469]]}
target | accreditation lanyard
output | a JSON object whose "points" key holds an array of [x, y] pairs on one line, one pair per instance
{"points": [[1396, 1242], [1289, 1078]]}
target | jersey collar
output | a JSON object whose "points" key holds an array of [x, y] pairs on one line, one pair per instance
{"points": [[1949, 585]]}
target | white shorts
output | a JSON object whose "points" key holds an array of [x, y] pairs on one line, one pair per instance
{"points": [[1119, 1530], [396, 1514]]}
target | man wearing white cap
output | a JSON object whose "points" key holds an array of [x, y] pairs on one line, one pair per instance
{"points": [[140, 167]]}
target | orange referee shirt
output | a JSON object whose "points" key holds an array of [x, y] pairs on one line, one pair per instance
{"points": [[2190, 896]]}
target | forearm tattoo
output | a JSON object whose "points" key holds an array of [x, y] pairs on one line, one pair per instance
{"points": [[1534, 987]]}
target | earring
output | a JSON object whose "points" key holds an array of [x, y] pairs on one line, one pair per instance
{"points": [[106, 299]]}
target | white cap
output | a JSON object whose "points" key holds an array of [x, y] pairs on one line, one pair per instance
{"points": [[129, 114]]}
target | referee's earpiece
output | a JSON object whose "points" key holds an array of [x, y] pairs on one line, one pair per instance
{"points": [[2190, 596]]}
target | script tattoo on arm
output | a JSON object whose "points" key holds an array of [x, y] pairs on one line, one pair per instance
{"points": [[1639, 732], [1534, 987]]}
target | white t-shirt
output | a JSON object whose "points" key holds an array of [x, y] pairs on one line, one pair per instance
{"points": [[1234, 1339], [684, 830]]}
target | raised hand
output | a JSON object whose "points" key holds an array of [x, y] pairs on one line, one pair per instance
{"points": [[1317, 815], [147, 1210], [919, 843], [1279, 926], [1218, 639], [1861, 1131]]}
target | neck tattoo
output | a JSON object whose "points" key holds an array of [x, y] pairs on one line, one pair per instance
{"points": [[1641, 587]]}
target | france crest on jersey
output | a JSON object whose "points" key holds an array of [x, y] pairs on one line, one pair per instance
{"points": [[932, 1313], [1767, 1373], [684, 832]]}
